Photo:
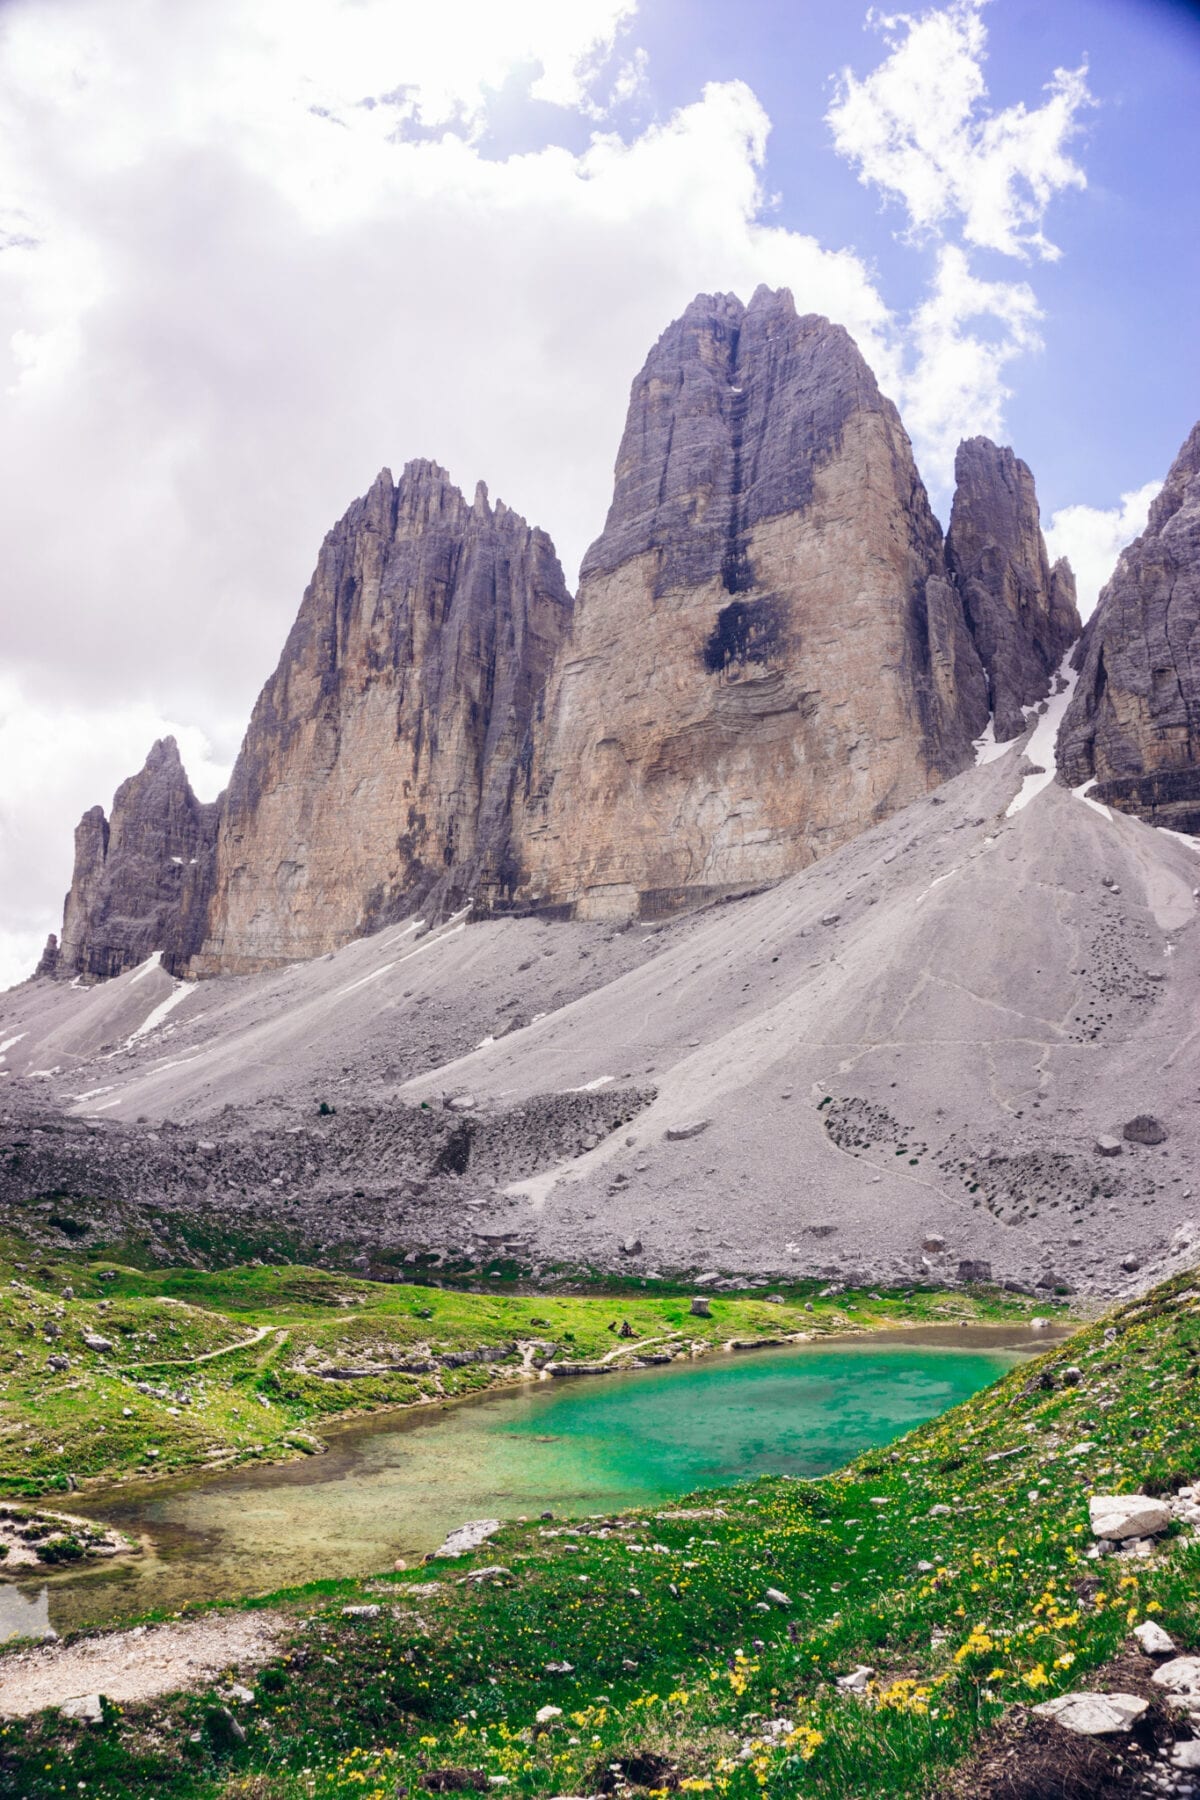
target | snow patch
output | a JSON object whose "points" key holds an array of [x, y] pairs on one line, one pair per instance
{"points": [[155, 1017], [986, 747], [1081, 793], [1181, 837], [591, 1087], [1041, 747], [9, 1042], [144, 969]]}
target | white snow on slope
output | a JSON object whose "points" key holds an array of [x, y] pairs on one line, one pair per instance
{"points": [[143, 969], [9, 1042], [154, 1019], [1081, 793], [1041, 747], [986, 747]]}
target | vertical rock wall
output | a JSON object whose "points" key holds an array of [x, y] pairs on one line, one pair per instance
{"points": [[142, 877], [766, 655], [1021, 612], [379, 770], [1134, 720]]}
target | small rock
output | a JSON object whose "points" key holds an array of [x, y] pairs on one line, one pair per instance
{"points": [[774, 1300], [856, 1681], [92, 1342], [631, 1246], [1120, 1516], [1145, 1129], [461, 1103], [360, 1612], [675, 1134], [1153, 1639], [1093, 1715], [544, 1714], [1072, 1376], [243, 1695], [777, 1597], [560, 1668], [493, 1572], [1131, 1262], [701, 1307], [1186, 1754], [933, 1243], [468, 1537], [87, 1708], [1107, 1146], [830, 918], [974, 1269], [1180, 1676]]}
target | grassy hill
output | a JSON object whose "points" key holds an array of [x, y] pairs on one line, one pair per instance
{"points": [[704, 1641]]}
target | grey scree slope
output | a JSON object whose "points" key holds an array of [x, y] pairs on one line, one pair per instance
{"points": [[993, 994]]}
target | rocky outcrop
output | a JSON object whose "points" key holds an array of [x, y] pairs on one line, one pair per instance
{"points": [[379, 771], [142, 876], [1021, 612], [1133, 724], [767, 655]]}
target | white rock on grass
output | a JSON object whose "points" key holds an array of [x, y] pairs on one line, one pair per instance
{"points": [[1093, 1715], [856, 1681], [1180, 1676], [1153, 1639], [1120, 1516], [777, 1597], [469, 1537], [87, 1708]]}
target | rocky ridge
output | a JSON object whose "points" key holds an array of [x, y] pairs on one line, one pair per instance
{"points": [[143, 876], [1133, 725], [1021, 612], [382, 758], [771, 651], [766, 655]]}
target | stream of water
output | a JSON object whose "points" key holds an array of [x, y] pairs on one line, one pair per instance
{"points": [[392, 1487]]}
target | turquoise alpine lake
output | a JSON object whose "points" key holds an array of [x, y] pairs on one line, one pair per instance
{"points": [[394, 1486]]}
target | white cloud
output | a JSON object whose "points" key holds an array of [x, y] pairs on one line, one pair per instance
{"points": [[1093, 537], [970, 178], [918, 128], [956, 385]]}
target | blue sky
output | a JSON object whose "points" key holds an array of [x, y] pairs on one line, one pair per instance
{"points": [[253, 250]]}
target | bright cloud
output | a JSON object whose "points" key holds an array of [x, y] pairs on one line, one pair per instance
{"points": [[918, 127], [1093, 537]]}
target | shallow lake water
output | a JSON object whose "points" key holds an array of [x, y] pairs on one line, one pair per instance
{"points": [[392, 1487]]}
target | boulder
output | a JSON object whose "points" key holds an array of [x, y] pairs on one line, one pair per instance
{"points": [[631, 1246], [676, 1134], [1107, 1146], [974, 1269], [701, 1307], [1145, 1129], [1093, 1715], [1179, 1676], [88, 1709], [468, 1537], [1153, 1639], [1121, 1516]]}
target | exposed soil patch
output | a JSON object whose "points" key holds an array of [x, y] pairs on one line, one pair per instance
{"points": [[129, 1666]]}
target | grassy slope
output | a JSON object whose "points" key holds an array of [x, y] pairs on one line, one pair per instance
{"points": [[265, 1399], [673, 1653]]}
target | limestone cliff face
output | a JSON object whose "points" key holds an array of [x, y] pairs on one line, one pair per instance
{"points": [[1134, 720], [382, 759], [766, 655], [142, 877], [1021, 612]]}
